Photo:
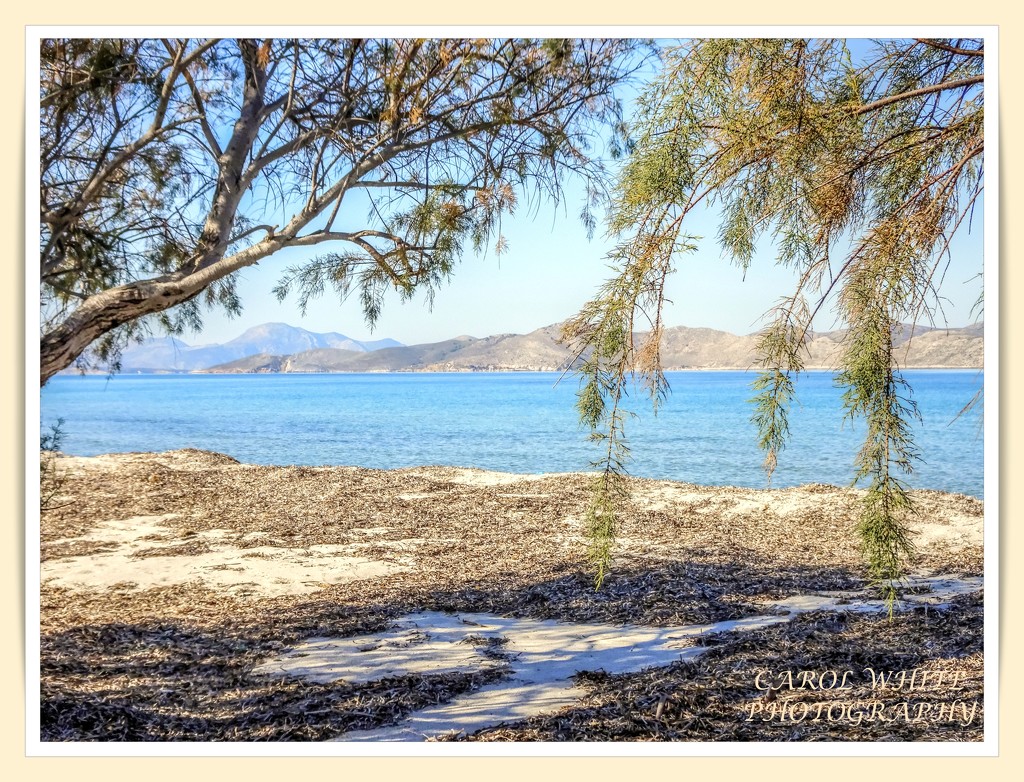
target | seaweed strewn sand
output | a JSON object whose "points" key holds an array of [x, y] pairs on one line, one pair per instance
{"points": [[251, 561]]}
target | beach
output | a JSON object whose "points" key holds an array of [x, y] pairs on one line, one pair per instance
{"points": [[175, 584]]}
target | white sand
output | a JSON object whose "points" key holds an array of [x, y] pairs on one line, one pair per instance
{"points": [[469, 476], [732, 502], [956, 531], [256, 571]]}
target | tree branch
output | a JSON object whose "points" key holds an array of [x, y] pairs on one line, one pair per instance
{"points": [[952, 49], [211, 139], [933, 88]]}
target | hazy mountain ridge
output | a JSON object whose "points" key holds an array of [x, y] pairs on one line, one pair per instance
{"points": [[171, 354], [682, 348]]}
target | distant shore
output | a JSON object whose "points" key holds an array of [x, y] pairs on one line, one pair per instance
{"points": [[499, 370], [278, 347]]}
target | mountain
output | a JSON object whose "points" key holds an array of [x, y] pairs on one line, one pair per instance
{"points": [[171, 354], [925, 347], [282, 338], [681, 348]]}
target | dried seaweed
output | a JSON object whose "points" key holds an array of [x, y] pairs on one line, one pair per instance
{"points": [[175, 663], [713, 698]]}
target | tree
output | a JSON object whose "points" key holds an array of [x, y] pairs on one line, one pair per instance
{"points": [[168, 165], [860, 173]]}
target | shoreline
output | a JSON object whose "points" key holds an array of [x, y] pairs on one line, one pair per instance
{"points": [[434, 371], [491, 477], [192, 487]]}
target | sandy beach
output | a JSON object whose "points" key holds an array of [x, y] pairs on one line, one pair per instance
{"points": [[186, 596]]}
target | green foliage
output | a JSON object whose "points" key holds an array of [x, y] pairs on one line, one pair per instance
{"points": [[873, 392], [50, 442], [51, 480], [609, 358], [607, 494], [859, 173], [779, 347]]}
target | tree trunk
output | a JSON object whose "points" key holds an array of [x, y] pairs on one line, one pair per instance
{"points": [[100, 314]]}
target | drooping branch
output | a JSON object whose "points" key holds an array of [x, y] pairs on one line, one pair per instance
{"points": [[791, 140]]}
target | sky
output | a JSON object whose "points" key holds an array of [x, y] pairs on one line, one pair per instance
{"points": [[549, 270]]}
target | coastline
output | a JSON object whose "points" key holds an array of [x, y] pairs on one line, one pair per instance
{"points": [[498, 370]]}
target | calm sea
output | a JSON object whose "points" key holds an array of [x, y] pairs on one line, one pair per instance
{"points": [[516, 422]]}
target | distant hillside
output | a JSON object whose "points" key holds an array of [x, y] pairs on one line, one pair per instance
{"points": [[686, 348], [171, 354], [536, 351], [682, 348]]}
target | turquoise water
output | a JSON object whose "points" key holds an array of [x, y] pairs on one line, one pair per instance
{"points": [[516, 422]]}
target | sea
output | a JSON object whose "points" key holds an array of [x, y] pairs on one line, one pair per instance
{"points": [[522, 422]]}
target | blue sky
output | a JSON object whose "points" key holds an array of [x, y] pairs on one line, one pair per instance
{"points": [[549, 271]]}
